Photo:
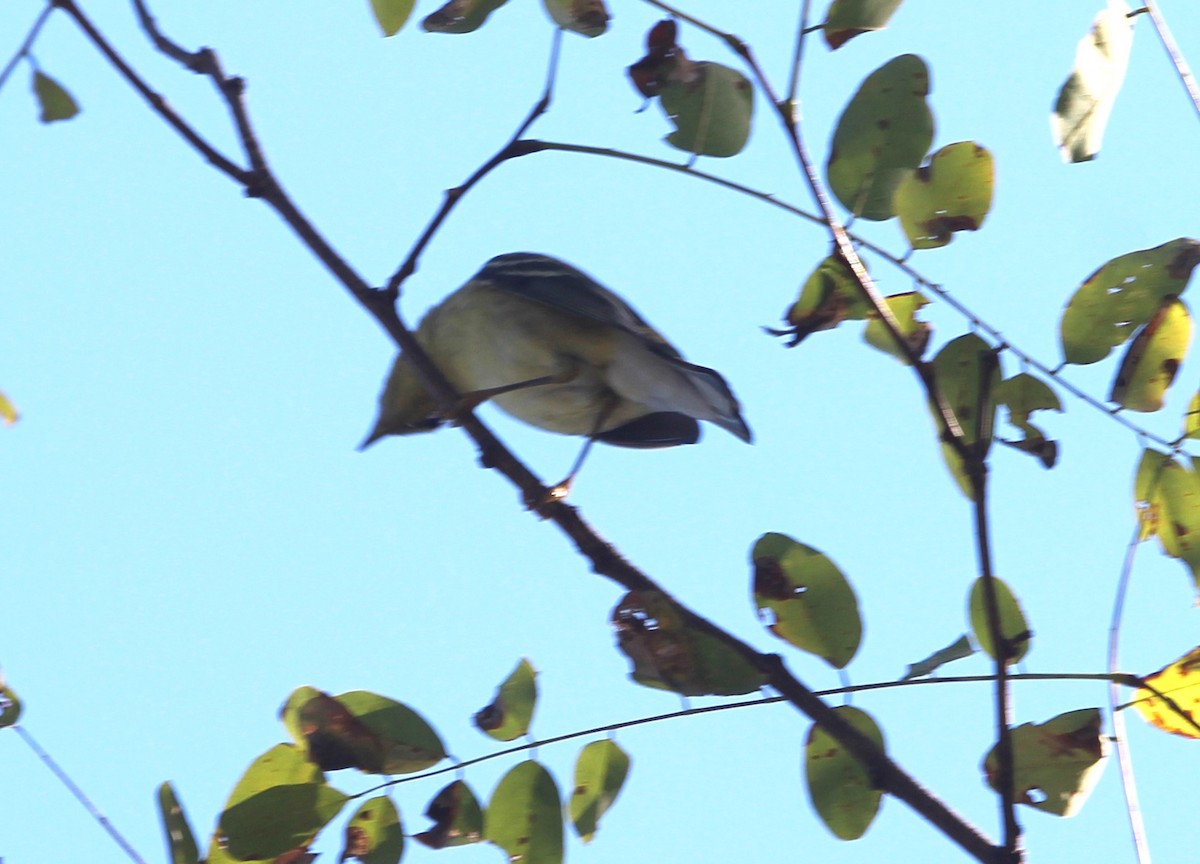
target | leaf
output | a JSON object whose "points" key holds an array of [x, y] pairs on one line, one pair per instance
{"points": [[461, 16], [839, 786], [8, 412], [1168, 496], [1055, 764], [374, 834], [279, 805], [915, 333], [457, 817], [957, 650], [711, 106], [361, 730], [1153, 358], [1014, 629], [1086, 99], [1023, 394], [967, 372], [56, 103], [670, 655], [181, 843], [10, 706], [952, 192], [588, 17], [600, 772], [883, 134], [829, 296], [511, 712], [1191, 420], [653, 72], [524, 817], [1122, 296], [391, 15], [1170, 700], [806, 599], [850, 18]]}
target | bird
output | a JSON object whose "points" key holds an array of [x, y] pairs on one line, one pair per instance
{"points": [[556, 349]]}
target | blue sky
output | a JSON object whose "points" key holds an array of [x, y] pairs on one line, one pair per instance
{"points": [[189, 533]]}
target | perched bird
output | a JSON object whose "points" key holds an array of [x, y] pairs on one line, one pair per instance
{"points": [[556, 349]]}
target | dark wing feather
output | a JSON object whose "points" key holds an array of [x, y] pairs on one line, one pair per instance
{"points": [[660, 429], [557, 284]]}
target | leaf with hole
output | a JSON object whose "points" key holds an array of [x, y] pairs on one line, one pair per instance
{"points": [[457, 818], [374, 834], [1023, 394], [1153, 358], [1086, 100], [883, 134], [953, 192], [181, 842], [915, 333]]}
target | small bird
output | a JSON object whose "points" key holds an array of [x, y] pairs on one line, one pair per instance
{"points": [[556, 349]]}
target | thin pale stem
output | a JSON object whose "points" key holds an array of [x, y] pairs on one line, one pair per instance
{"points": [[802, 32], [1186, 78], [27, 44]]}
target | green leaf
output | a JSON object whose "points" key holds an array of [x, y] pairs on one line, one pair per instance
{"points": [[56, 103], [829, 296], [1153, 358], [1023, 394], [711, 106], [840, 788], [589, 17], [952, 192], [670, 655], [511, 711], [883, 134], [916, 333], [524, 817], [967, 372], [600, 772], [1014, 629], [1086, 99], [806, 598], [181, 843], [10, 706], [957, 650], [279, 805], [461, 16], [457, 817], [374, 834], [1191, 420], [408, 742], [1168, 498], [391, 15], [1122, 295], [1055, 764], [850, 18]]}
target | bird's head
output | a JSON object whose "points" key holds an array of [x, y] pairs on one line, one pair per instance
{"points": [[404, 406]]}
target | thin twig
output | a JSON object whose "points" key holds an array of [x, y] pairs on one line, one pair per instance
{"points": [[27, 44], [802, 32], [1186, 78], [79, 794]]}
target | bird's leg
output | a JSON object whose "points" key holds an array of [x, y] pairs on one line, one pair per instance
{"points": [[560, 490], [468, 402]]}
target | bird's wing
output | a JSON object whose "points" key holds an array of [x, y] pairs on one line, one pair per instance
{"points": [[559, 285]]}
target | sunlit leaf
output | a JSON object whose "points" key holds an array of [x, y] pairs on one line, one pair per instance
{"points": [[56, 103], [1056, 764], [511, 711], [1153, 358], [967, 372], [711, 106], [1014, 629], [883, 134], [600, 772], [8, 411], [670, 655], [1023, 394], [915, 333], [588, 17], [840, 787], [181, 842], [1171, 698], [1191, 420], [1168, 497], [952, 192], [524, 816], [829, 296], [457, 817], [461, 16], [279, 805], [805, 599], [957, 650], [1086, 99], [374, 834], [391, 15], [850, 18]]}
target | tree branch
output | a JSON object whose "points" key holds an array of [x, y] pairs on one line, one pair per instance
{"points": [[1186, 78], [26, 45]]}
